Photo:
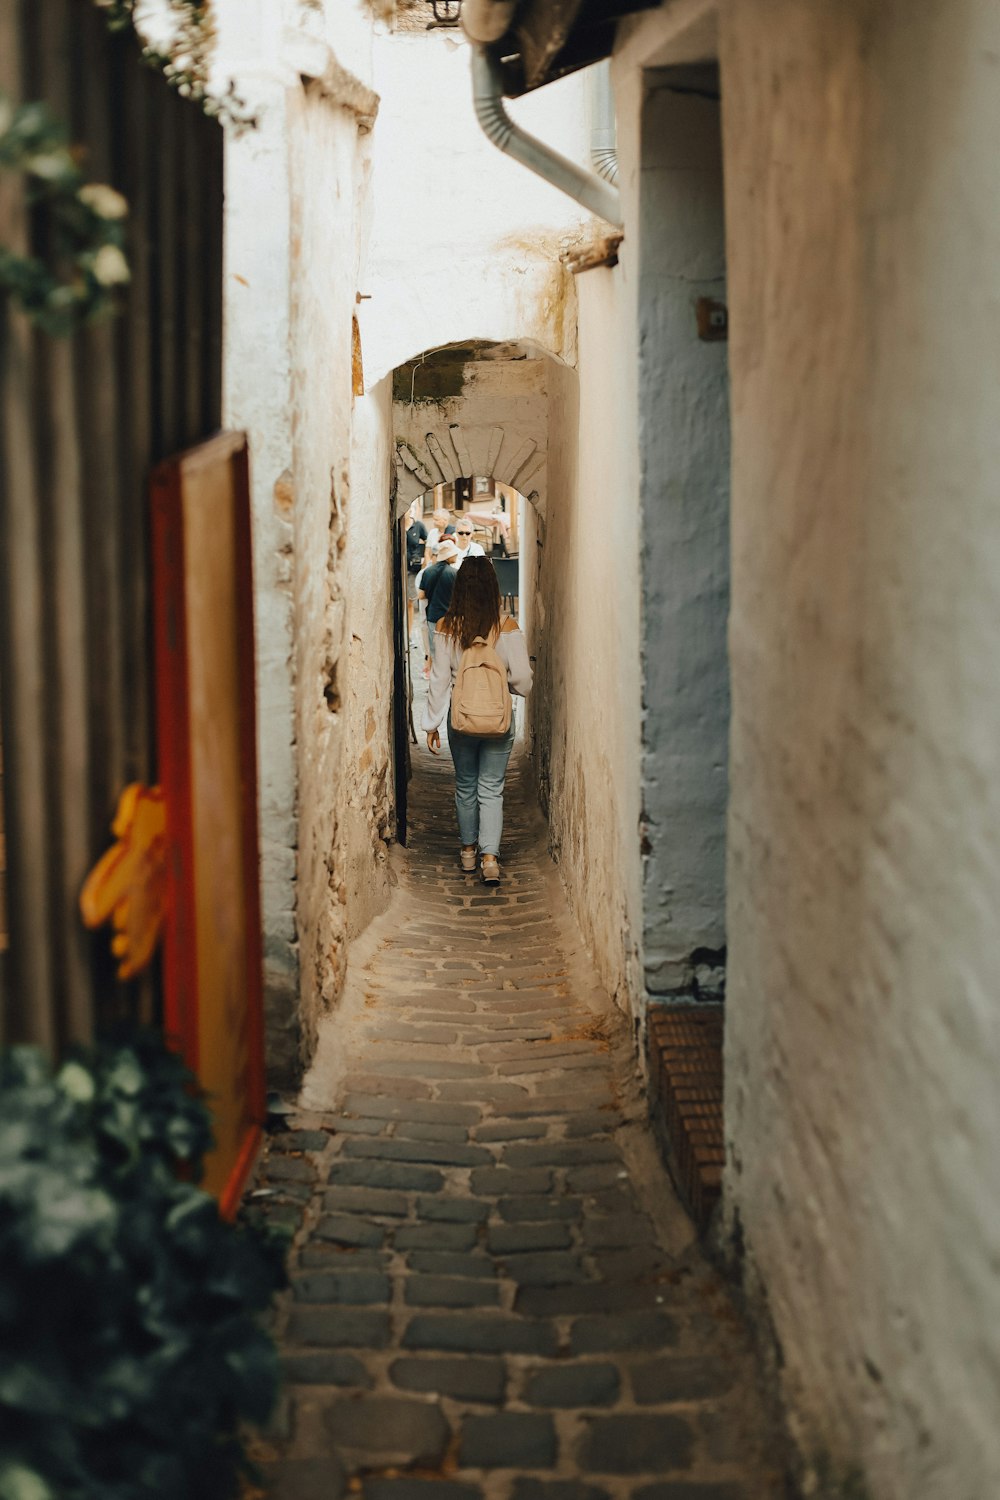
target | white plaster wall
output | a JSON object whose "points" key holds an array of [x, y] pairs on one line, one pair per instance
{"points": [[257, 390], [296, 189], [323, 168], [464, 241], [863, 1041], [582, 624]]}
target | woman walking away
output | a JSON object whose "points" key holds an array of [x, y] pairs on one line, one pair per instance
{"points": [[482, 658]]}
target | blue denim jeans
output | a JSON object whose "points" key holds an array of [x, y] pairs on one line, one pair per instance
{"points": [[480, 768]]}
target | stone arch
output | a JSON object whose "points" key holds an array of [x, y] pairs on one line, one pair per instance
{"points": [[478, 409]]}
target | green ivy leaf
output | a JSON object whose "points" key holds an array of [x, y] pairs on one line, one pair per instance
{"points": [[129, 1350]]}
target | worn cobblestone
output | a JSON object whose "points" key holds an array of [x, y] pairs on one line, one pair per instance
{"points": [[627, 1444], [345, 1231], [349, 1287], [574, 1385], [439, 1153], [544, 1268], [381, 1203], [509, 1440], [467, 1379], [450, 1291], [480, 1335], [645, 1330], [385, 1174], [341, 1327], [485, 1304], [418, 1489], [505, 1239], [447, 1263], [397, 1430], [326, 1368]]}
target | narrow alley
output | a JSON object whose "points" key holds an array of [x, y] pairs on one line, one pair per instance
{"points": [[670, 1168], [494, 1288]]}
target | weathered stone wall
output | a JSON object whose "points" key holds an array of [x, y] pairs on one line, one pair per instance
{"points": [[863, 1044], [257, 395], [323, 155], [368, 819], [296, 189]]}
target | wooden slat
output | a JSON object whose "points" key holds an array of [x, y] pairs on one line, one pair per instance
{"points": [[66, 564], [82, 423], [22, 669]]}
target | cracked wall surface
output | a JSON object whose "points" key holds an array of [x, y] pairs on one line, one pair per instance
{"points": [[342, 640]]}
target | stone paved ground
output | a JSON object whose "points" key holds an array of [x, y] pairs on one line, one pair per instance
{"points": [[494, 1291]]}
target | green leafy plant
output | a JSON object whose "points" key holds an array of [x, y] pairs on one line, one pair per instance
{"points": [[129, 1349], [78, 226]]}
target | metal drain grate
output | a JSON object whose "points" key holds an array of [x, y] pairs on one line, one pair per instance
{"points": [[685, 1048]]}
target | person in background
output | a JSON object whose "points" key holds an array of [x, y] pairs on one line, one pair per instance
{"points": [[436, 587], [441, 526], [463, 538], [421, 610], [416, 541], [480, 762]]}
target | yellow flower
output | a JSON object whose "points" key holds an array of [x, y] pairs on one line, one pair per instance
{"points": [[104, 201], [110, 267]]}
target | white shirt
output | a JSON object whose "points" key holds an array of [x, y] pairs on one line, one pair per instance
{"points": [[472, 550], [512, 651]]}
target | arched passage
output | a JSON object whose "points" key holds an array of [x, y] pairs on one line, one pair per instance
{"points": [[477, 410], [472, 409]]}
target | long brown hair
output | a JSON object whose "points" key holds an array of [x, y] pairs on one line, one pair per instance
{"points": [[475, 604]]}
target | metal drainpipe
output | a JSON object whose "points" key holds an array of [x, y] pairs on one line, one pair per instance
{"points": [[603, 135], [486, 21], [597, 195]]}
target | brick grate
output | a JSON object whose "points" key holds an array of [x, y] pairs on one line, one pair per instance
{"points": [[685, 1053]]}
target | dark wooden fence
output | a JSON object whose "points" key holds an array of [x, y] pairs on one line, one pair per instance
{"points": [[82, 421]]}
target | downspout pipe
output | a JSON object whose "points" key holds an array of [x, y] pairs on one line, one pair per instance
{"points": [[603, 135], [593, 192], [487, 21]]}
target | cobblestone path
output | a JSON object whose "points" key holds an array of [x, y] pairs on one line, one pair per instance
{"points": [[494, 1291]]}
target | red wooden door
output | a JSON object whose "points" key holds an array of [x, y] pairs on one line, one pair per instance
{"points": [[206, 743]]}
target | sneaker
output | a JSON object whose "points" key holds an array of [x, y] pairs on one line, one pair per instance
{"points": [[490, 870], [468, 859]]}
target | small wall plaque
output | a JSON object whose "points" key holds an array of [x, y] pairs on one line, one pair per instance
{"points": [[713, 320]]}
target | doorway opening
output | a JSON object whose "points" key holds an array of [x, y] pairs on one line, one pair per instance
{"points": [[481, 515]]}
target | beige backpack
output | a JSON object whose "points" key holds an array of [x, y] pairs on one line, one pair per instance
{"points": [[480, 699]]}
